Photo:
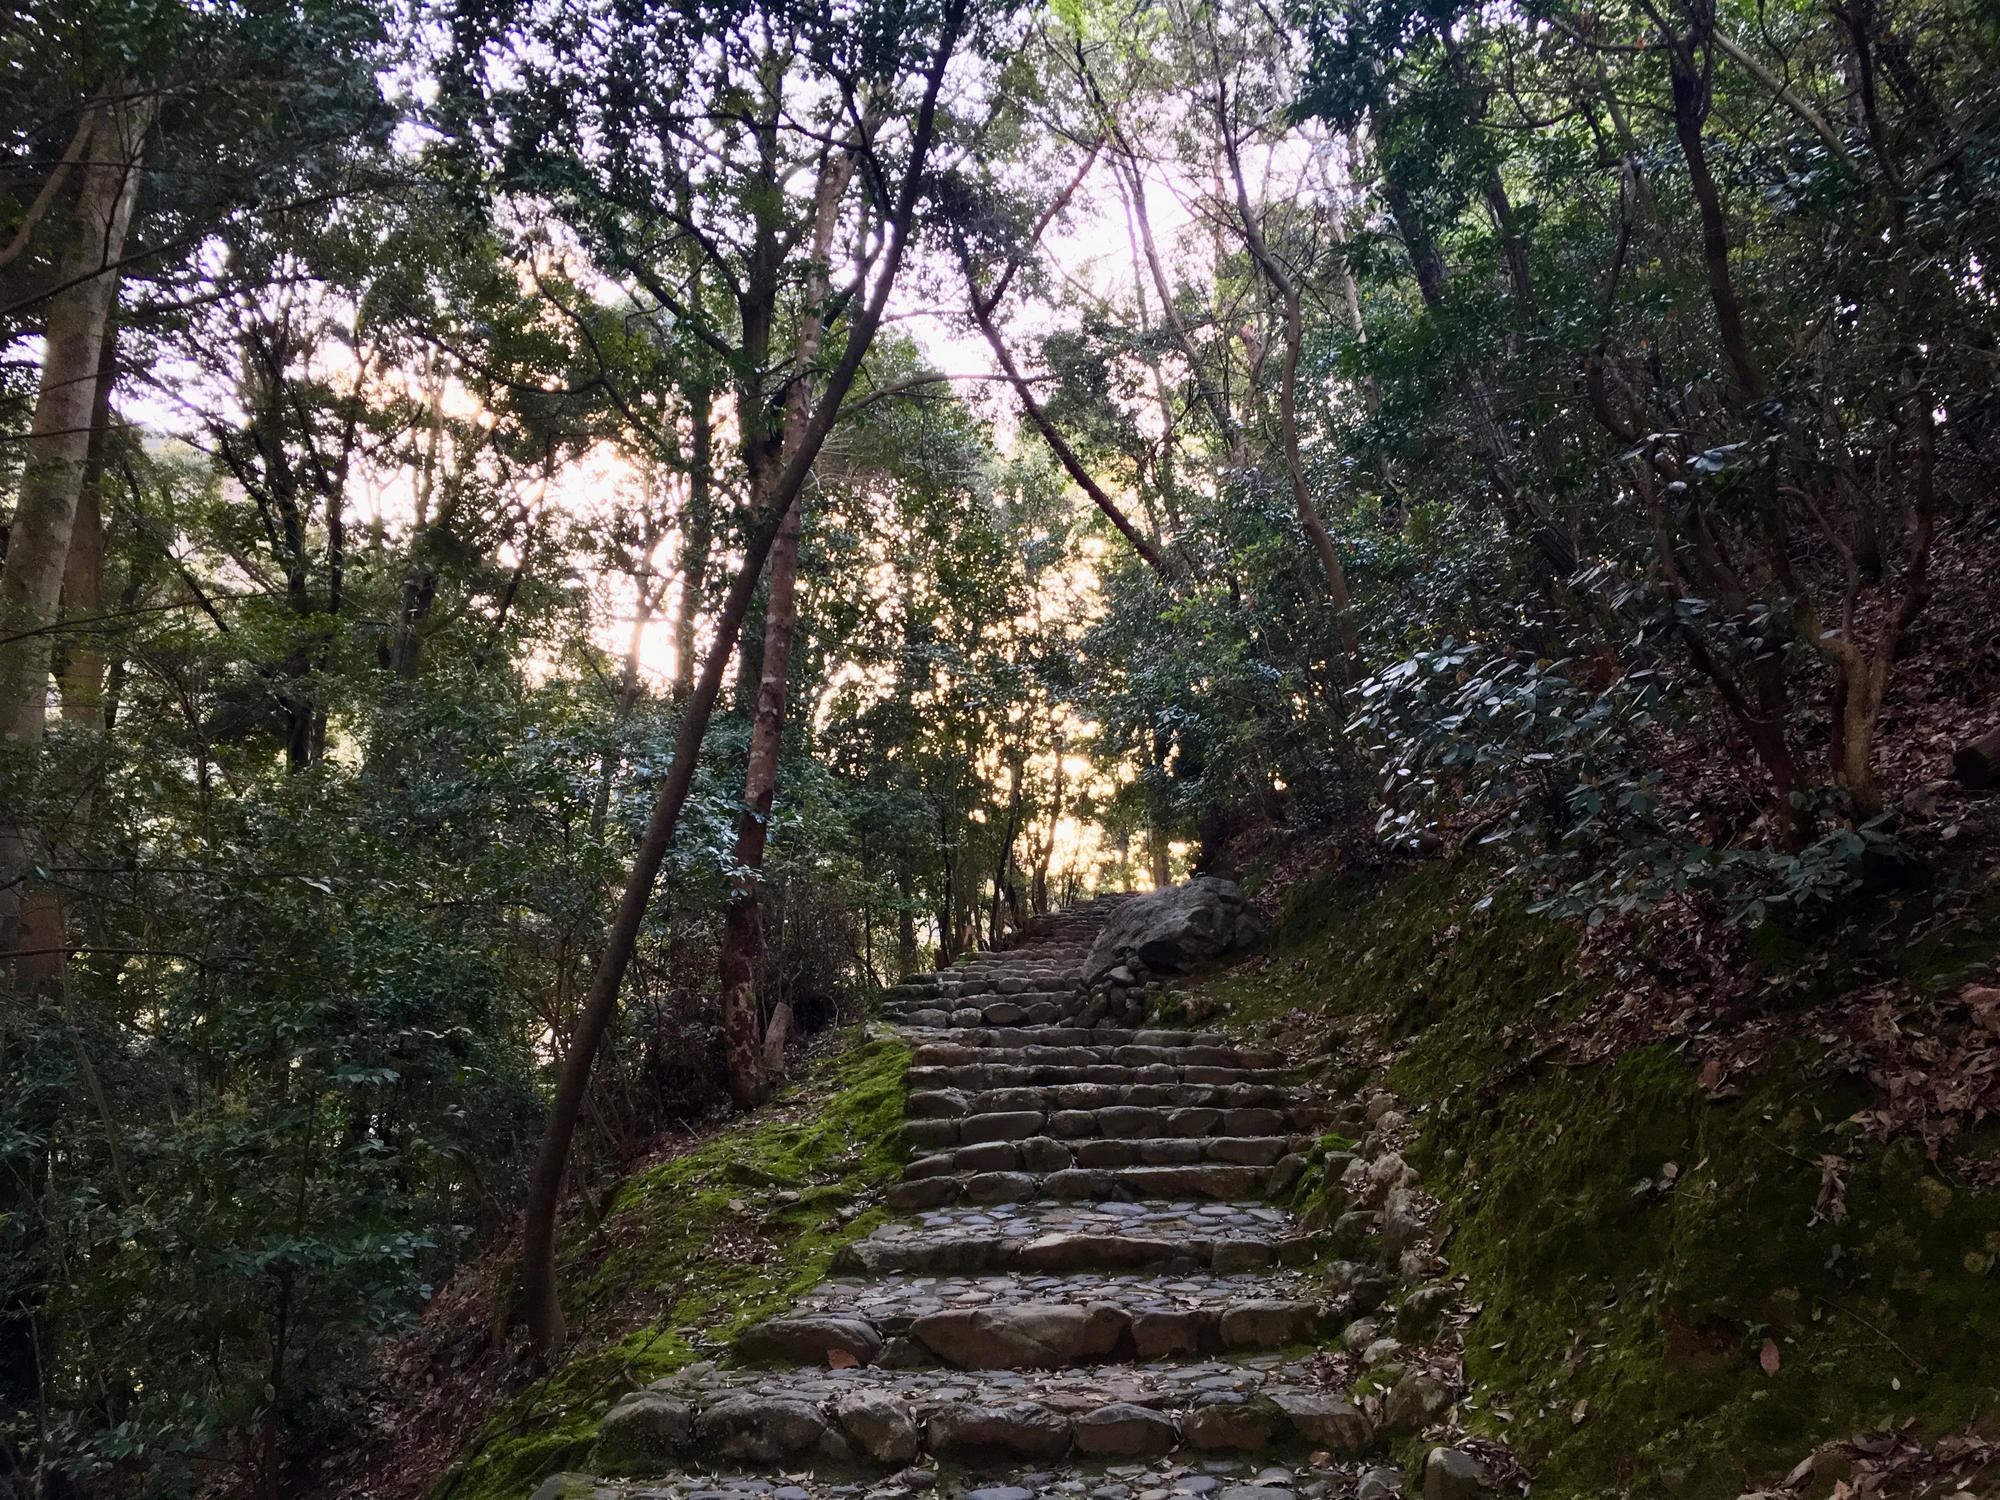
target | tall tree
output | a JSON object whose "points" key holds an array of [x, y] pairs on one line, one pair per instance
{"points": [[589, 120]]}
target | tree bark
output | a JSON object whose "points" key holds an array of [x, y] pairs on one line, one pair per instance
{"points": [[744, 1053], [742, 930], [1286, 287], [1977, 762], [697, 538], [541, 1308], [52, 479], [44, 921]]}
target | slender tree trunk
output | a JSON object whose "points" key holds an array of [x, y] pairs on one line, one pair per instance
{"points": [[1039, 419], [44, 922], [1286, 287], [59, 436], [697, 538], [541, 1307], [742, 932], [1006, 855], [1690, 83], [1045, 856], [81, 678], [743, 1048], [906, 919]]}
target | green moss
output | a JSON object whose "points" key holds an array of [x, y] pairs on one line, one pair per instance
{"points": [[699, 1248], [1632, 1245], [1407, 953], [1636, 1247]]}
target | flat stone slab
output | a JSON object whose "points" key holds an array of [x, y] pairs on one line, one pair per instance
{"points": [[996, 1073], [791, 1419], [1158, 1095], [1052, 1236], [1031, 1322], [884, 1301], [1195, 1476], [1085, 1300]]}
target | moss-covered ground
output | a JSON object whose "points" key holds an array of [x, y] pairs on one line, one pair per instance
{"points": [[1677, 1296], [692, 1251]]}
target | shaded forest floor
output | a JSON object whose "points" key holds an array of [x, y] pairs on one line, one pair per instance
{"points": [[1725, 1200], [1716, 1239], [715, 1229]]}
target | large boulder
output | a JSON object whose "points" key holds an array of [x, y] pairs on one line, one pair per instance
{"points": [[1169, 930]]}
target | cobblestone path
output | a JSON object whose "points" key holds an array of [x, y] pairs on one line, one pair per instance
{"points": [[1090, 1294]]}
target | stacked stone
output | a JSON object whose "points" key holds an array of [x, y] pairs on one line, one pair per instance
{"points": [[1091, 1294], [1035, 982]]}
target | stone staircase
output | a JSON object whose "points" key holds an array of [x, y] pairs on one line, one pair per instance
{"points": [[1090, 1292]]}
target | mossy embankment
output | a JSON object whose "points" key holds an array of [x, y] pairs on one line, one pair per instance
{"points": [[692, 1251], [1676, 1295]]}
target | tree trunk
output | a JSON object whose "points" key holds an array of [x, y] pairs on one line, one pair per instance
{"points": [[44, 921], [541, 1308], [906, 919], [697, 538], [52, 479], [81, 678], [1286, 287], [742, 931], [1977, 762]]}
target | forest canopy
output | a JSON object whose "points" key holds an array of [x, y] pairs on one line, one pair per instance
{"points": [[553, 549]]}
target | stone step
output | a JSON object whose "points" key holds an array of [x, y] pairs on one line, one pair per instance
{"points": [[974, 1076], [1008, 1036], [868, 1417], [1189, 1475], [1132, 1122], [1052, 1237], [1216, 1181], [963, 1020], [947, 1102], [1045, 1155], [954, 1053], [1042, 1322]]}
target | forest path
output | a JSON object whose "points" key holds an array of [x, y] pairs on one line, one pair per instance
{"points": [[1092, 1293]]}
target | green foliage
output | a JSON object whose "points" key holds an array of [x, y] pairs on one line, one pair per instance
{"points": [[1636, 1247], [721, 1237], [1565, 781], [1631, 1244]]}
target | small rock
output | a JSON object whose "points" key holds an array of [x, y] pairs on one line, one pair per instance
{"points": [[642, 1430], [1240, 1425], [1268, 1323], [1350, 1230], [1423, 1312], [760, 1429], [1026, 1428], [1125, 1431], [1286, 1174], [1418, 1399], [1453, 1474], [879, 1426], [1380, 1484], [1402, 1223]]}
